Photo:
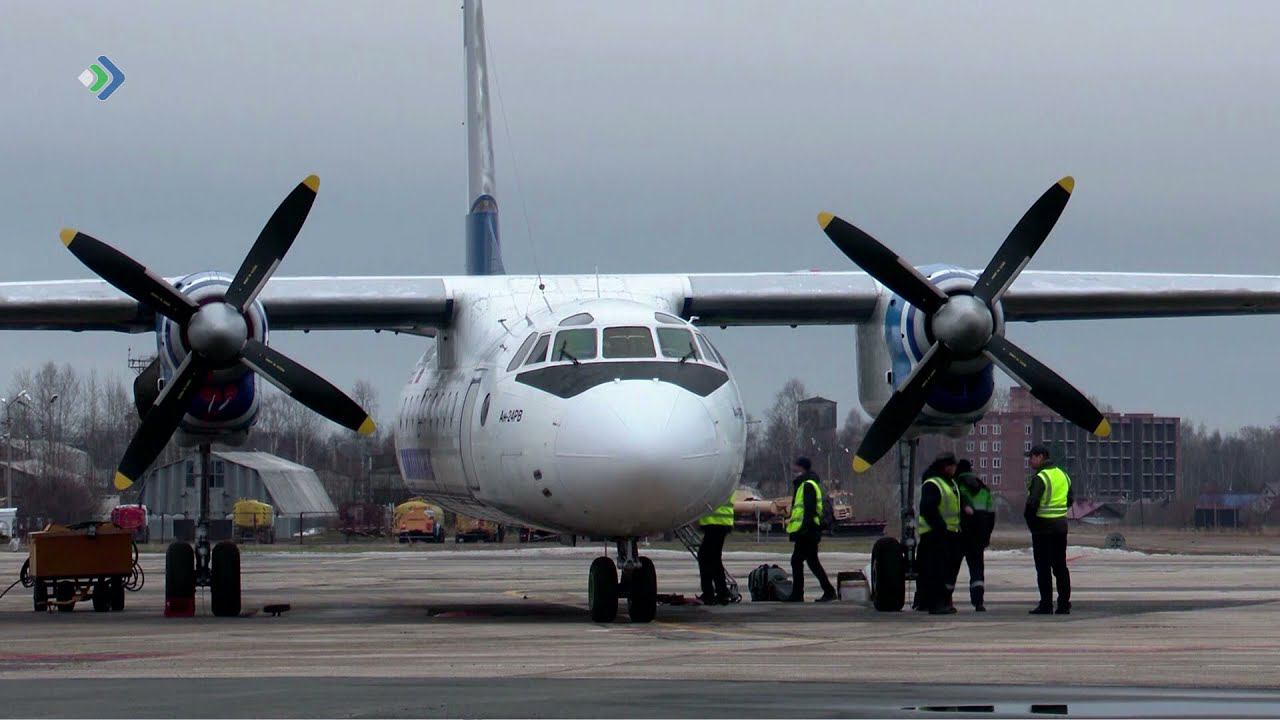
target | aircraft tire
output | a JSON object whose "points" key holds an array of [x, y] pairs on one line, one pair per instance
{"points": [[224, 581], [602, 590], [180, 571], [642, 600], [888, 575]]}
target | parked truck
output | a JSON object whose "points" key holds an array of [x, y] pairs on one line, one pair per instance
{"points": [[417, 520], [253, 521], [473, 530]]}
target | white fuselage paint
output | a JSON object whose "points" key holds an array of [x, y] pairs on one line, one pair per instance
{"points": [[622, 458]]}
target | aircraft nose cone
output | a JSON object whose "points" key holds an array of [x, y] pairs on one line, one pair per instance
{"points": [[642, 452]]}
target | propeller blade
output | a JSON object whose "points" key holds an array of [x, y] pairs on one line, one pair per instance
{"points": [[129, 276], [160, 422], [1047, 386], [883, 264], [902, 409], [306, 387], [1023, 241], [272, 243]]}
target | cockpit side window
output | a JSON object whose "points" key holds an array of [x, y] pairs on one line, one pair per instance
{"points": [[667, 319], [677, 343], [574, 345], [579, 319], [715, 351], [524, 348], [628, 342], [539, 353], [707, 351]]}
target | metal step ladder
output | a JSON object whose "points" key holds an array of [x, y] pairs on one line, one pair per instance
{"points": [[691, 538]]}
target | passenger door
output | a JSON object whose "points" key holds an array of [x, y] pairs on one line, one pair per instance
{"points": [[468, 422]]}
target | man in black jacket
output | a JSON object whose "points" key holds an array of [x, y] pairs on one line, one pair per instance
{"points": [[805, 529]]}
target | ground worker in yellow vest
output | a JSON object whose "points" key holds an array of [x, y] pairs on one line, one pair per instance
{"points": [[805, 529], [1048, 499], [938, 526], [716, 527]]}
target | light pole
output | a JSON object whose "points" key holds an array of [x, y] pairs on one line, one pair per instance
{"points": [[19, 399]]}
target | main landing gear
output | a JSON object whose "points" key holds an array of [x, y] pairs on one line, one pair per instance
{"points": [[638, 584], [187, 567]]}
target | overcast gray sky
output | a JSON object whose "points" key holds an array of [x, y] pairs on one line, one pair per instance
{"points": [[667, 136]]}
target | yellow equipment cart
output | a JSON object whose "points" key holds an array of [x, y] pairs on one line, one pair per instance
{"points": [[88, 561]]}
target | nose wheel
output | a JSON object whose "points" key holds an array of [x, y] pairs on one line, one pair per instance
{"points": [[638, 584]]}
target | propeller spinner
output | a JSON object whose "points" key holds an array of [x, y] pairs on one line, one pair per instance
{"points": [[963, 325], [216, 332]]}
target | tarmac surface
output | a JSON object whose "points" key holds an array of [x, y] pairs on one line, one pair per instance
{"points": [[504, 633]]}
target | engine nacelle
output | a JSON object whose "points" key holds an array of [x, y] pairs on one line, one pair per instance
{"points": [[227, 403], [896, 339]]}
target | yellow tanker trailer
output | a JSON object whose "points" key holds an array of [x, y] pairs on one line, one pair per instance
{"points": [[254, 521]]}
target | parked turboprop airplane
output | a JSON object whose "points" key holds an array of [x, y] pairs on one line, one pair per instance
{"points": [[591, 405]]}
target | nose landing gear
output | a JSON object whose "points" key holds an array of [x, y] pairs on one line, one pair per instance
{"points": [[638, 584]]}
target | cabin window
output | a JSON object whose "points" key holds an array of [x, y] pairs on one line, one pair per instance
{"points": [[539, 353], [677, 343], [524, 348], [628, 342], [579, 319], [574, 345]]}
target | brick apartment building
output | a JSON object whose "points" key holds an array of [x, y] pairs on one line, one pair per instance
{"points": [[1139, 459]]}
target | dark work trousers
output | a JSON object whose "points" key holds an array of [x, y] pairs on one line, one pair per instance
{"points": [[710, 566], [974, 545], [806, 551], [1050, 552], [933, 560], [955, 558]]}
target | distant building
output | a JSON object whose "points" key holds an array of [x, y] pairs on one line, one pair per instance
{"points": [[292, 489], [1138, 460]]}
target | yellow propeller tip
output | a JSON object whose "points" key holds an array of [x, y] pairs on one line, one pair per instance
{"points": [[860, 465], [1068, 183], [1103, 429], [67, 235], [367, 427], [313, 182], [121, 482], [824, 219]]}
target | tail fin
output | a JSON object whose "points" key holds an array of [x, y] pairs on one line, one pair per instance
{"points": [[484, 251]]}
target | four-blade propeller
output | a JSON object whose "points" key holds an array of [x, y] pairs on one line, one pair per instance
{"points": [[963, 325], [217, 333]]}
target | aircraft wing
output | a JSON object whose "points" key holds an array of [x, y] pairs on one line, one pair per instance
{"points": [[402, 304], [417, 304], [837, 298]]}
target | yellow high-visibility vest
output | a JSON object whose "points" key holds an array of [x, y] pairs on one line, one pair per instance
{"points": [[722, 515], [1053, 503], [948, 506], [796, 521]]}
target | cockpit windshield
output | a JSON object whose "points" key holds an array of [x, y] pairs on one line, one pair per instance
{"points": [[628, 342], [677, 343], [579, 344]]}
